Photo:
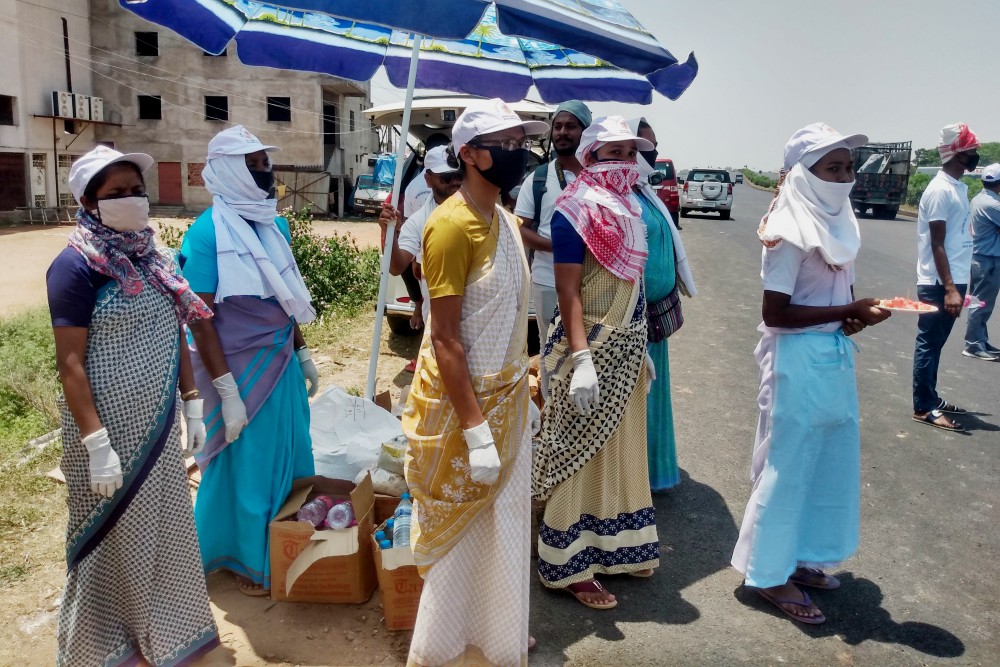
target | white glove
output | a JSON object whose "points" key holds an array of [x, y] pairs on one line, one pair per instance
{"points": [[534, 418], [194, 439], [308, 369], [650, 372], [234, 412], [484, 461], [105, 468], [583, 389]]}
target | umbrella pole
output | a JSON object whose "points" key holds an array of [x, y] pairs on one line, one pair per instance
{"points": [[390, 231]]}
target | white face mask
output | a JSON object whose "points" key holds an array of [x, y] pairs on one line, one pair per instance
{"points": [[830, 196], [126, 214]]}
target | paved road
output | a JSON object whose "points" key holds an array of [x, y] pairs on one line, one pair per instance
{"points": [[923, 588]]}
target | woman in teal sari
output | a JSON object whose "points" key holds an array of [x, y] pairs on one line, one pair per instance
{"points": [[667, 276], [251, 363]]}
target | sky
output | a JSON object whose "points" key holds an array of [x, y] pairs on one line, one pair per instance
{"points": [[896, 70]]}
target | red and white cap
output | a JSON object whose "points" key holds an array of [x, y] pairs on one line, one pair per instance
{"points": [[956, 138], [488, 116], [89, 165]]}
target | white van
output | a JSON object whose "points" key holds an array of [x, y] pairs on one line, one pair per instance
{"points": [[428, 116]]}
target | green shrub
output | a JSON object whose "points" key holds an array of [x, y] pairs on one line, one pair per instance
{"points": [[340, 275], [915, 188], [759, 180]]}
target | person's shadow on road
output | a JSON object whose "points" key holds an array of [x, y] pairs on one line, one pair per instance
{"points": [[697, 534], [854, 612]]}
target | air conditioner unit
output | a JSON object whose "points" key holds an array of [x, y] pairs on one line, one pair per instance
{"points": [[82, 106], [96, 109], [62, 104]]}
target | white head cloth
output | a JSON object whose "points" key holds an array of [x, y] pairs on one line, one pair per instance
{"points": [[810, 213], [252, 264]]}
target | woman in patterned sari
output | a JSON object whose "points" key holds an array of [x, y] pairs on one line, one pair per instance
{"points": [[591, 465], [135, 590], [468, 416]]}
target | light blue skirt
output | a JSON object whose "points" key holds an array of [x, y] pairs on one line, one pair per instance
{"points": [[245, 485], [804, 510], [661, 447]]}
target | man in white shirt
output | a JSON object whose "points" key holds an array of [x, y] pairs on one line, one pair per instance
{"points": [[568, 123], [944, 262], [416, 192], [442, 181]]}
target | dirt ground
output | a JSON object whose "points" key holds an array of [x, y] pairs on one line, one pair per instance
{"points": [[254, 631], [28, 250]]}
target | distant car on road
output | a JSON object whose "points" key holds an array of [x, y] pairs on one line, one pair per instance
{"points": [[739, 178], [666, 189], [707, 190]]}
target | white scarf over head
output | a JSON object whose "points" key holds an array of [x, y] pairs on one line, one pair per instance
{"points": [[813, 214], [252, 264], [681, 260]]}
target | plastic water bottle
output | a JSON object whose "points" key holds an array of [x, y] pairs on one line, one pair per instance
{"points": [[401, 522], [315, 510], [340, 515], [973, 302]]}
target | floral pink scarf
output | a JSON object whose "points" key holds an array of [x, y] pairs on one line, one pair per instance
{"points": [[124, 255], [599, 206]]}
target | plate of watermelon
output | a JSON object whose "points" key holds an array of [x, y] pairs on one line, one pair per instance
{"points": [[904, 305]]}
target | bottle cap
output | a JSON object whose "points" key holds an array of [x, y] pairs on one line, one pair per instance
{"points": [[406, 496], [385, 544], [379, 536]]}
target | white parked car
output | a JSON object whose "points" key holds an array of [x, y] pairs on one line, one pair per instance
{"points": [[707, 190]]}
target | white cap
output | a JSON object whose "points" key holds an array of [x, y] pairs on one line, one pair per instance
{"points": [[604, 131], [236, 140], [436, 161], [815, 137], [991, 173], [88, 166], [488, 116]]}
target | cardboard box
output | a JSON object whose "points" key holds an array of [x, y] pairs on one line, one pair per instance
{"points": [[399, 585], [385, 507], [309, 565]]}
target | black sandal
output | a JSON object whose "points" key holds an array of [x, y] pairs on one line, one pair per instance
{"points": [[944, 406], [931, 420]]}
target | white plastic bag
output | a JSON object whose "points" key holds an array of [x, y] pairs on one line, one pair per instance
{"points": [[347, 433], [384, 482]]}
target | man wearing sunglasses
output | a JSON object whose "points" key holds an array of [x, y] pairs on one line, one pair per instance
{"points": [[443, 181]]}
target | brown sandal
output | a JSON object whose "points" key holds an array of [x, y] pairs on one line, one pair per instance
{"points": [[592, 586], [249, 588]]}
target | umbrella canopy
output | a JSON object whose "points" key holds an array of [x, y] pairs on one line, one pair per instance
{"points": [[488, 60]]}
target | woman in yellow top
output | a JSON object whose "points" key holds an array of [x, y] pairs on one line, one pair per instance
{"points": [[468, 417]]}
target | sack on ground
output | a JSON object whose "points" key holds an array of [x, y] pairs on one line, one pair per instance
{"points": [[348, 432]]}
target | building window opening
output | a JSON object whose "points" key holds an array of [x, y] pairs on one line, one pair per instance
{"points": [[147, 44], [279, 109], [150, 107], [8, 114], [351, 121], [216, 107]]}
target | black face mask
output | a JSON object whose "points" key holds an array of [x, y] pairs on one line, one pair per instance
{"points": [[508, 167], [264, 181], [650, 156], [970, 161]]}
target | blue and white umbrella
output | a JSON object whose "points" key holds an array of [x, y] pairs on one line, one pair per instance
{"points": [[488, 60], [494, 49]]}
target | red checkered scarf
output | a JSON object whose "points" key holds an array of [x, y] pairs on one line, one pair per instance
{"points": [[599, 206]]}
